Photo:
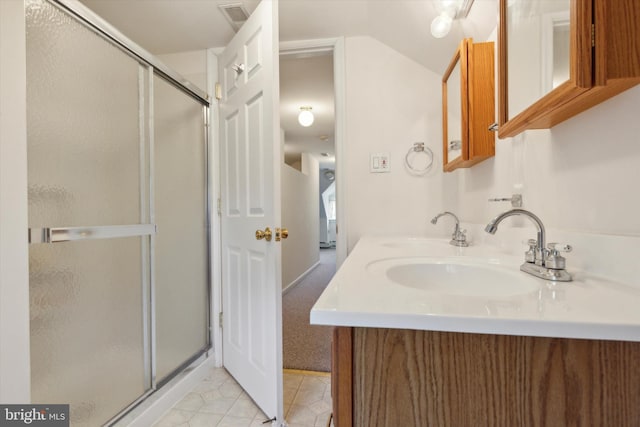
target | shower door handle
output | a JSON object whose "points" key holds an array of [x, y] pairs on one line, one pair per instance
{"points": [[68, 234]]}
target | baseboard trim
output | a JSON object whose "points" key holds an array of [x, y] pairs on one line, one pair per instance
{"points": [[299, 279]]}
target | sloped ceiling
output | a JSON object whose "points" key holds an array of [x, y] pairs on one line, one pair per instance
{"points": [[169, 26]]}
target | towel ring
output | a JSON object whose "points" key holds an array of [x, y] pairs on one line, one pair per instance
{"points": [[418, 147]]}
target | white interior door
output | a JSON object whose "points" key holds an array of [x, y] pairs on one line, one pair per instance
{"points": [[250, 189]]}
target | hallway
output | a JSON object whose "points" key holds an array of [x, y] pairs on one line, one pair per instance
{"points": [[305, 346]]}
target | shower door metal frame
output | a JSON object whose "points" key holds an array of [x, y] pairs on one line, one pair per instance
{"points": [[89, 18], [154, 68]]}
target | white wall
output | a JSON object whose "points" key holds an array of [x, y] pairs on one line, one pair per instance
{"points": [[301, 250], [391, 102], [582, 175], [14, 273], [191, 65]]}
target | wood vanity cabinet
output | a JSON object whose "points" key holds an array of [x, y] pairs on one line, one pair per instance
{"points": [[468, 106], [603, 59], [408, 378]]}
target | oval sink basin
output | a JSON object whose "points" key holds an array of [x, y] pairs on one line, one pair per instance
{"points": [[458, 277], [415, 243]]}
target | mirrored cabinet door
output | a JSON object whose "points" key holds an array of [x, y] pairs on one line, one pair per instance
{"points": [[454, 112], [560, 57], [468, 106], [539, 52]]}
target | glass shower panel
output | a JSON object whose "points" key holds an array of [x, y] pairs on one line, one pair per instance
{"points": [[86, 326], [86, 167], [181, 276], [83, 121]]}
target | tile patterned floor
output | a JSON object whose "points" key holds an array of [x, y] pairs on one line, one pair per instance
{"points": [[218, 401], [307, 398]]}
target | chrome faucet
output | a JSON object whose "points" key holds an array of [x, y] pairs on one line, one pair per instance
{"points": [[458, 238], [540, 260]]}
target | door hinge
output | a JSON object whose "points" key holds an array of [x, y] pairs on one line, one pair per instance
{"points": [[218, 90], [219, 207], [593, 35], [220, 319]]}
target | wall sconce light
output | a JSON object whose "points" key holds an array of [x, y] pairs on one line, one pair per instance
{"points": [[449, 10], [305, 118]]}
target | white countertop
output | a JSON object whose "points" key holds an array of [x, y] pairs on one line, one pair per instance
{"points": [[361, 295]]}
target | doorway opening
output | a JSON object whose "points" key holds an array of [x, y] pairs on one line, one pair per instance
{"points": [[308, 203], [310, 210]]}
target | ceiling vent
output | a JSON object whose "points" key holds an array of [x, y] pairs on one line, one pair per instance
{"points": [[235, 13]]}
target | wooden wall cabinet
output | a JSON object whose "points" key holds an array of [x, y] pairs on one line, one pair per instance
{"points": [[408, 378], [468, 106], [603, 58]]}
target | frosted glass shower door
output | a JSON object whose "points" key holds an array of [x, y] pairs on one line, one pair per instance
{"points": [[180, 206], [88, 217]]}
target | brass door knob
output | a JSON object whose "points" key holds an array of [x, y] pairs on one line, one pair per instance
{"points": [[266, 234], [281, 233]]}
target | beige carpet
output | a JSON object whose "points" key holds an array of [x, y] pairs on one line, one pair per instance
{"points": [[305, 346]]}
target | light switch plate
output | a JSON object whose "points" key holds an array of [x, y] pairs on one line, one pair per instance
{"points": [[379, 162]]}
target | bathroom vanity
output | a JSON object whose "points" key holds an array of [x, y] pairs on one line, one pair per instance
{"points": [[428, 334]]}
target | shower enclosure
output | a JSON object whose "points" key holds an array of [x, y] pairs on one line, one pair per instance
{"points": [[118, 216]]}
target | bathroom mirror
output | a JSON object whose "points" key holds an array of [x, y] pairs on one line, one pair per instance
{"points": [[555, 63], [454, 112], [557, 58], [542, 61], [537, 50]]}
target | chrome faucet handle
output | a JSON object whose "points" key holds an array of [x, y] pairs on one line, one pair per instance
{"points": [[530, 254], [459, 238], [459, 234], [559, 247], [554, 260]]}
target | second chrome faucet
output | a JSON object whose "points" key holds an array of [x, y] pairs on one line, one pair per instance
{"points": [[458, 238]]}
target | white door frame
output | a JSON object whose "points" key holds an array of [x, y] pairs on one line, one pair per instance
{"points": [[215, 183], [335, 45]]}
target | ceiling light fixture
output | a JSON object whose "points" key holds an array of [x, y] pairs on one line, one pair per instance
{"points": [[449, 10], [305, 118]]}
